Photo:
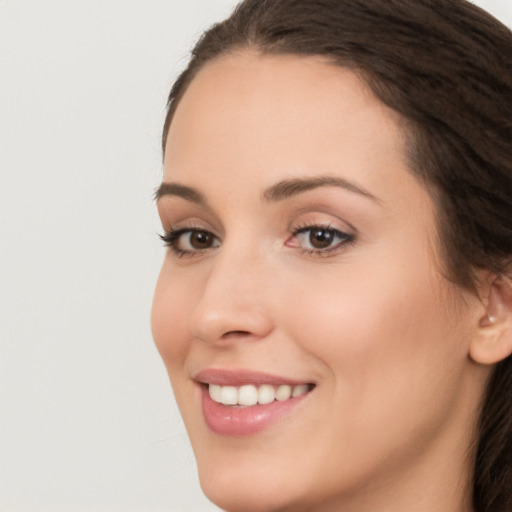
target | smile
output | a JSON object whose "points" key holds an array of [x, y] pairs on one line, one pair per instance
{"points": [[250, 394], [242, 403]]}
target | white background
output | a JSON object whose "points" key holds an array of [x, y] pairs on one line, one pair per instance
{"points": [[88, 422]]}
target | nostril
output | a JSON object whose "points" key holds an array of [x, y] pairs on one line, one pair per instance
{"points": [[218, 321], [232, 334]]}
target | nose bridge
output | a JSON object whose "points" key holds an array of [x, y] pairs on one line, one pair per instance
{"points": [[233, 302]]}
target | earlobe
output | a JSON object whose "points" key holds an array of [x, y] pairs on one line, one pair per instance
{"points": [[493, 340]]}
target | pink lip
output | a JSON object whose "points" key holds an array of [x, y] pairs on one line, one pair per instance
{"points": [[224, 377], [243, 421]]}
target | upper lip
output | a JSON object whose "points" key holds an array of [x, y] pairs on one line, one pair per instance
{"points": [[229, 377]]}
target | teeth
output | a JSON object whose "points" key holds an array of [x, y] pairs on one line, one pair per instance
{"points": [[214, 391], [301, 389], [266, 394], [228, 395], [283, 393], [249, 394]]}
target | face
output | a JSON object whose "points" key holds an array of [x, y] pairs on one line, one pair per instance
{"points": [[303, 261]]}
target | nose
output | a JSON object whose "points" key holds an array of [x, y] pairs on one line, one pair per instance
{"points": [[234, 302]]}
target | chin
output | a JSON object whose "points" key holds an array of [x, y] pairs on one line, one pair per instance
{"points": [[243, 490], [250, 500]]}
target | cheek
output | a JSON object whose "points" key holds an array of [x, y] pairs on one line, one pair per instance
{"points": [[388, 345], [362, 308], [168, 320]]}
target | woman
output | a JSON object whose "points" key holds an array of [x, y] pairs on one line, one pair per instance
{"points": [[335, 307]]}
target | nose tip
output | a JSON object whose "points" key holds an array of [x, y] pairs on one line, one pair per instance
{"points": [[233, 306], [223, 322]]}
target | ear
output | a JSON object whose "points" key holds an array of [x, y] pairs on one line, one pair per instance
{"points": [[493, 340]]}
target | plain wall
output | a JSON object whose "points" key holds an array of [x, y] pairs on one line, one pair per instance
{"points": [[88, 422]]}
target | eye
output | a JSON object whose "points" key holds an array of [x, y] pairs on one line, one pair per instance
{"points": [[188, 241], [319, 239]]}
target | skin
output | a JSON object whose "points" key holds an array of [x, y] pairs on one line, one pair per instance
{"points": [[372, 322]]}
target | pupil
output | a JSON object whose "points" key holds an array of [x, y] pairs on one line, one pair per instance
{"points": [[200, 240], [320, 238]]}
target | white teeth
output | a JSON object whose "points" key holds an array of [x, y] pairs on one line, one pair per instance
{"points": [[214, 391], [283, 392], [266, 394], [250, 394], [229, 395], [301, 389]]}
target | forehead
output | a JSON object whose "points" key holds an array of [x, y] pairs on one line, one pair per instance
{"points": [[249, 101], [248, 121]]}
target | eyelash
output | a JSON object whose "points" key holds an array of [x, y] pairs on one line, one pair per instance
{"points": [[345, 238], [172, 237]]}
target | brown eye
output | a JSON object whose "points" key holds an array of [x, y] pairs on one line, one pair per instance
{"points": [[321, 238], [200, 240], [189, 241]]}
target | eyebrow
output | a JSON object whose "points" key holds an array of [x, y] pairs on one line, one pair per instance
{"points": [[294, 186], [278, 192], [175, 189]]}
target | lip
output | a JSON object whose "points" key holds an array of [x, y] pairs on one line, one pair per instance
{"points": [[244, 421], [225, 377]]}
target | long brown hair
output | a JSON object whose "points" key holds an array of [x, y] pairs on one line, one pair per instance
{"points": [[446, 67]]}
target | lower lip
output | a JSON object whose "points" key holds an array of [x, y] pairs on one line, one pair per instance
{"points": [[229, 420]]}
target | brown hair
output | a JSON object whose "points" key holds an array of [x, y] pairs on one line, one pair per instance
{"points": [[446, 67]]}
